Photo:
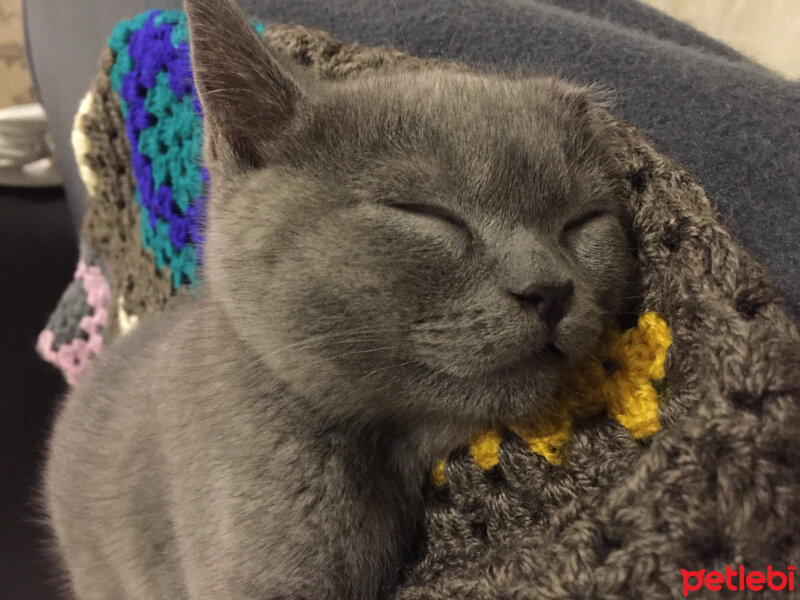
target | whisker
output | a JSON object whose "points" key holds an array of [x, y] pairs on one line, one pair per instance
{"points": [[343, 354], [350, 333], [381, 369], [590, 355]]}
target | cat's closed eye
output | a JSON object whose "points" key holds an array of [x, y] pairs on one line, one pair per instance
{"points": [[576, 226], [585, 219], [432, 211]]}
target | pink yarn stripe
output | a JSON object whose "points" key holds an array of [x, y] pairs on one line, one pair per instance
{"points": [[74, 357]]}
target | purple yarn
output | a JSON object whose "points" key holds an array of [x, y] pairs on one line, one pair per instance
{"points": [[153, 54]]}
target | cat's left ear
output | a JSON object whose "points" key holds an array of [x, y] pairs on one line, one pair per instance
{"points": [[248, 98]]}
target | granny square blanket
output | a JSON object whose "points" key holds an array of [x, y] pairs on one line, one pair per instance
{"points": [[673, 454]]}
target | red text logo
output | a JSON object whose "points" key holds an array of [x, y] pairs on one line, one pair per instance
{"points": [[738, 580]]}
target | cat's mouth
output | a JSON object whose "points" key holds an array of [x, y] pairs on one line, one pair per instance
{"points": [[549, 355], [552, 350]]}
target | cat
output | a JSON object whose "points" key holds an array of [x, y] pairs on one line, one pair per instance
{"points": [[393, 262]]}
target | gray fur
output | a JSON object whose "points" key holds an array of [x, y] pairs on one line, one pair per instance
{"points": [[272, 439]]}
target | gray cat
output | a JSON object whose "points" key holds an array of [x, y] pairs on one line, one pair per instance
{"points": [[393, 262]]}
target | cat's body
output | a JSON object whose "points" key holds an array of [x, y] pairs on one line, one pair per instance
{"points": [[393, 262], [194, 465]]}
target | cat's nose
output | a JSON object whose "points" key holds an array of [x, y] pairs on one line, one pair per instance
{"points": [[550, 301]]}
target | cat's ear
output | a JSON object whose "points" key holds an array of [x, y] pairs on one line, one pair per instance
{"points": [[247, 98]]}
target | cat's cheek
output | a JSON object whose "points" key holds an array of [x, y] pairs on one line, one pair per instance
{"points": [[605, 273], [601, 256]]}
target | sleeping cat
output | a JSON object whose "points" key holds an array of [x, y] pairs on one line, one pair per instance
{"points": [[393, 261]]}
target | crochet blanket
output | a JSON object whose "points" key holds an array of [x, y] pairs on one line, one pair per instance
{"points": [[670, 467]]}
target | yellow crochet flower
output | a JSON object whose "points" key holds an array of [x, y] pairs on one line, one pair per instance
{"points": [[617, 379]]}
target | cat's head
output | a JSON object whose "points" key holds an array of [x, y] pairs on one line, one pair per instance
{"points": [[425, 244]]}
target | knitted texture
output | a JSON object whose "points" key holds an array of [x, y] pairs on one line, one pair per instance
{"points": [[152, 75], [653, 460], [83, 312], [112, 222], [163, 121]]}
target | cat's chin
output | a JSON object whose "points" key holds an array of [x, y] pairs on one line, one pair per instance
{"points": [[507, 396], [518, 389], [544, 360]]}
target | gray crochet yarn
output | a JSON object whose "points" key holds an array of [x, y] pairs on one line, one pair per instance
{"points": [[65, 320]]}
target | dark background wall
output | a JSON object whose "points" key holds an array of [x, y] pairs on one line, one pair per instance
{"points": [[38, 253]]}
